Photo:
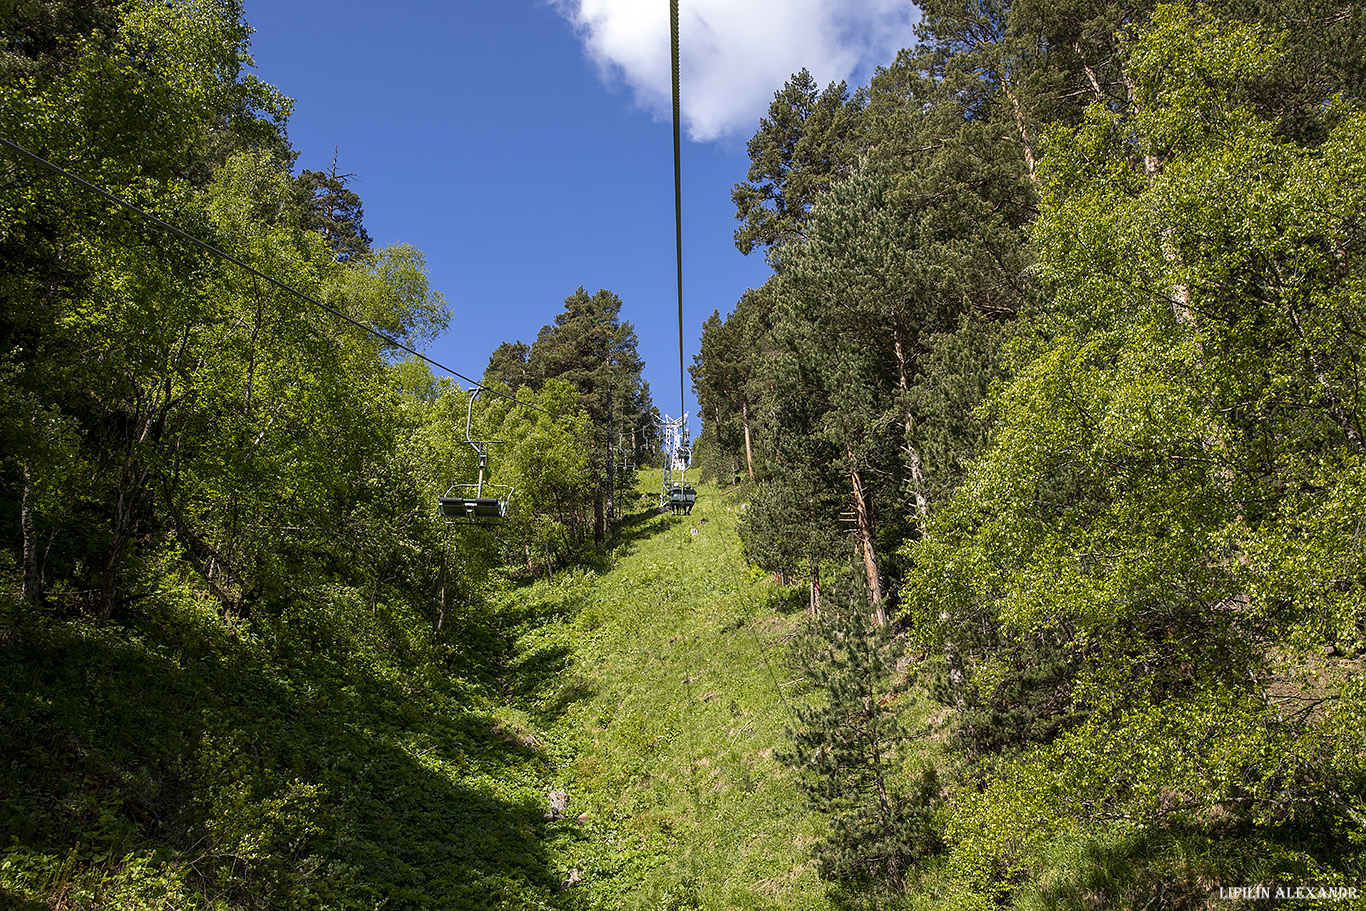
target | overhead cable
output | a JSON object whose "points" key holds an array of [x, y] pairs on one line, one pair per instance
{"points": [[678, 193]]}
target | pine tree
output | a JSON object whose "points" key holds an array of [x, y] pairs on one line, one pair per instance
{"points": [[728, 371], [848, 749], [329, 206], [808, 139], [590, 347], [509, 365]]}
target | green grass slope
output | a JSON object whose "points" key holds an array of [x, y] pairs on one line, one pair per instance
{"points": [[670, 699], [332, 758]]}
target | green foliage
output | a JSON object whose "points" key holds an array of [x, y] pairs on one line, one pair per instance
{"points": [[547, 463], [508, 364], [808, 140], [107, 351], [292, 694], [792, 525], [850, 746], [325, 759], [1177, 413], [38, 32], [590, 348], [388, 289], [875, 370], [340, 753], [1131, 569]]}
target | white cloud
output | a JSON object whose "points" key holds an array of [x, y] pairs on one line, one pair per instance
{"points": [[737, 53]]}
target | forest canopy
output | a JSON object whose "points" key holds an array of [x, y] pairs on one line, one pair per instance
{"points": [[1059, 364]]}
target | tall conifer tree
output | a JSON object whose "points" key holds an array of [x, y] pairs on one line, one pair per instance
{"points": [[590, 347]]}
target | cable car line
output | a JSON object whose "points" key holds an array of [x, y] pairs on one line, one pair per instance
{"points": [[675, 493], [678, 190], [279, 284]]}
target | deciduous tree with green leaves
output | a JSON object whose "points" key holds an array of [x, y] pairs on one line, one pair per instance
{"points": [[1166, 493], [101, 340]]}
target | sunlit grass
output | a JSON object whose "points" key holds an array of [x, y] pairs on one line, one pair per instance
{"points": [[678, 673]]}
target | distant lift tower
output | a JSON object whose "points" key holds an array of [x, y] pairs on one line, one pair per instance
{"points": [[676, 493]]}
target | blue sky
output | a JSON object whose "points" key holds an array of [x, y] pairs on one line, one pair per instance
{"points": [[524, 145]]}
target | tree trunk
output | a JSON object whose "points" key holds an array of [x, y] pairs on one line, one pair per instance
{"points": [[33, 566], [814, 605], [610, 505], [609, 510], [599, 518], [922, 506], [213, 567], [1333, 403], [127, 512], [1026, 141], [439, 596], [864, 519], [749, 449], [599, 521], [133, 490], [957, 679], [1090, 73]]}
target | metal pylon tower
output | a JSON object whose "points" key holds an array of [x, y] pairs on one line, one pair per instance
{"points": [[677, 457]]}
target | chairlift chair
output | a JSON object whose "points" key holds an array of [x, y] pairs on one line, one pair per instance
{"points": [[682, 497], [468, 503]]}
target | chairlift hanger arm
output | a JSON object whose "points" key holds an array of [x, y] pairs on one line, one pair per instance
{"points": [[457, 506], [480, 446]]}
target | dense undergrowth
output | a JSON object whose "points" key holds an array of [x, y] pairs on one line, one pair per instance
{"points": [[336, 755], [324, 758]]}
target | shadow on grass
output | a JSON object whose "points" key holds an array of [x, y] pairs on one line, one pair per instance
{"points": [[13, 902], [296, 767], [631, 531]]}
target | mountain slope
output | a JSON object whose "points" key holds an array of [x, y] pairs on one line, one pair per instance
{"points": [[669, 700]]}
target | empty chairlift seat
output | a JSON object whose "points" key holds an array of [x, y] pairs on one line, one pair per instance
{"points": [[473, 507], [467, 502]]}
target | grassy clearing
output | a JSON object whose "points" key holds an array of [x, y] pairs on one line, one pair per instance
{"points": [[662, 680]]}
